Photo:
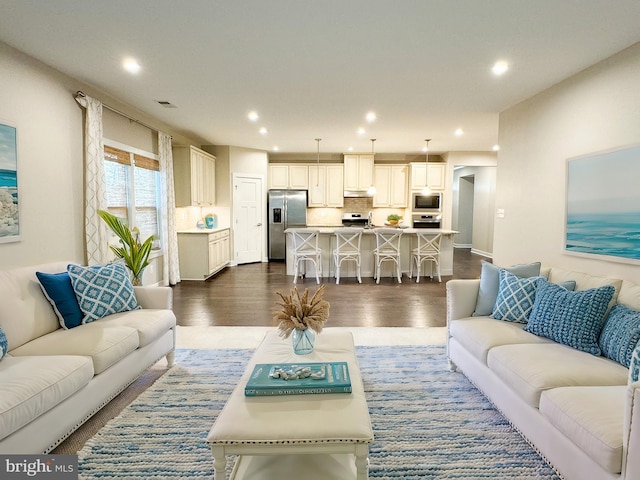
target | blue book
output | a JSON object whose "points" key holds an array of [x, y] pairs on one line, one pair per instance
{"points": [[298, 379]]}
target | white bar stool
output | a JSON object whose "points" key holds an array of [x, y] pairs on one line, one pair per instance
{"points": [[347, 249], [387, 249], [306, 249], [428, 249]]}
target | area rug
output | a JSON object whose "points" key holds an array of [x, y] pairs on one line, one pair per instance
{"points": [[428, 423]]}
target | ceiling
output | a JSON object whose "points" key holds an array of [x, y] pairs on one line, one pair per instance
{"points": [[313, 69]]}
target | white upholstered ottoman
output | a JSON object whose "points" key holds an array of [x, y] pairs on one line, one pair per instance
{"points": [[323, 436]]}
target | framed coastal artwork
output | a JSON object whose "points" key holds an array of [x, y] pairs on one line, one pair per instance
{"points": [[9, 207], [603, 205]]}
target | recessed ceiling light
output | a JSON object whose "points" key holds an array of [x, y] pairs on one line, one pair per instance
{"points": [[371, 117], [131, 65], [350, 149], [459, 132], [253, 116], [495, 148], [500, 67], [276, 148], [263, 131], [361, 131]]}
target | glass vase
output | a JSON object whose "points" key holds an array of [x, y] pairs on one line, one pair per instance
{"points": [[303, 341]]}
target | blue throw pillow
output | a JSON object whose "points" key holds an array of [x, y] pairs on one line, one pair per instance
{"points": [[4, 344], [620, 334], [572, 318], [58, 290], [490, 281], [515, 297], [102, 290]]}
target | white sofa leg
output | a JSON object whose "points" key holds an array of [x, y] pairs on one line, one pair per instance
{"points": [[171, 358]]}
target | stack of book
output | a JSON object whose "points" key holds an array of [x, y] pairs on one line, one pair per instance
{"points": [[298, 379]]}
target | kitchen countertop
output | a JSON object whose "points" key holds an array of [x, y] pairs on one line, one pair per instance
{"points": [[203, 230], [407, 230]]}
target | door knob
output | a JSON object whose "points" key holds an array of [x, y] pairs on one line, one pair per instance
{"points": [[259, 225]]}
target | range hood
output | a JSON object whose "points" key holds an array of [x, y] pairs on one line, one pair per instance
{"points": [[357, 193]]}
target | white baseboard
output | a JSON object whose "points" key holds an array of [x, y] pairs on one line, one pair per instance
{"points": [[480, 252]]}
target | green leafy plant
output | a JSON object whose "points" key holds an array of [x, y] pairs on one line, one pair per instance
{"points": [[134, 253], [394, 217]]}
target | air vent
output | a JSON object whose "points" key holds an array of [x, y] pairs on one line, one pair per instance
{"points": [[166, 104]]}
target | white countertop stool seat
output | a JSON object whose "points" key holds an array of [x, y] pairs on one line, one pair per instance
{"points": [[387, 249], [428, 249], [347, 249], [306, 249]]}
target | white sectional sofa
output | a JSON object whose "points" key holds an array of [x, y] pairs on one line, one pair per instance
{"points": [[53, 379], [579, 410]]}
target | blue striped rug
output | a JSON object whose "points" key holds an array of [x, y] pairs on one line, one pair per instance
{"points": [[428, 423]]}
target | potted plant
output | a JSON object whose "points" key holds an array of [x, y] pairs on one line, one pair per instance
{"points": [[393, 219], [134, 253]]}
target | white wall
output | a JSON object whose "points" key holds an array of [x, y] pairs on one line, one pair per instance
{"points": [[39, 101], [50, 174], [595, 110]]}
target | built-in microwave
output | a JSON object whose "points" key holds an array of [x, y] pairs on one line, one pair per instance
{"points": [[431, 202]]}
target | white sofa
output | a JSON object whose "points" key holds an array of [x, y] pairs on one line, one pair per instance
{"points": [[53, 379], [579, 411]]}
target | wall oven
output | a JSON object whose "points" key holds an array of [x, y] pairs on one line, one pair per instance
{"points": [[431, 202], [426, 221]]}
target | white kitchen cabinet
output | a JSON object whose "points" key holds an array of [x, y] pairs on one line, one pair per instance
{"points": [[203, 254], [436, 175], [358, 171], [391, 186], [288, 177], [326, 186], [194, 172]]}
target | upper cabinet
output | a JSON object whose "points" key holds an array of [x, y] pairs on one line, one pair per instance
{"points": [[358, 171], [288, 177], [194, 172], [391, 186], [436, 175], [326, 186]]}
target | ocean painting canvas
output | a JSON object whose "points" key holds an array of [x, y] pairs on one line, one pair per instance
{"points": [[603, 205], [9, 211]]}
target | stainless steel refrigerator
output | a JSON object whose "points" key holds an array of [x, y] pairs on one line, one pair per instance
{"points": [[285, 209]]}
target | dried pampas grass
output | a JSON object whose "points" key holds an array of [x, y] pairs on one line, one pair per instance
{"points": [[301, 312]]}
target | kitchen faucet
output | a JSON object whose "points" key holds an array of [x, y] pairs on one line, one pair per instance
{"points": [[370, 219]]}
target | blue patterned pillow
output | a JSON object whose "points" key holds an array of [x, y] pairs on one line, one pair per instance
{"points": [[620, 334], [59, 291], [634, 366], [4, 344], [572, 318], [490, 282], [102, 290], [515, 297]]}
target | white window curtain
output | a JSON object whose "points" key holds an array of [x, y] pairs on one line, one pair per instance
{"points": [[171, 266], [95, 196]]}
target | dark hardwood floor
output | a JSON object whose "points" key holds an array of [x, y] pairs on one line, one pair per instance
{"points": [[245, 296]]}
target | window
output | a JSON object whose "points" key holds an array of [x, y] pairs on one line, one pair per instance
{"points": [[132, 182]]}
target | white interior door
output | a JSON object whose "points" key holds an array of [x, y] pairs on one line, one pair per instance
{"points": [[248, 213]]}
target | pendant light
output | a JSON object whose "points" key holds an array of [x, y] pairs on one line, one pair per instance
{"points": [[426, 190], [371, 191], [318, 191]]}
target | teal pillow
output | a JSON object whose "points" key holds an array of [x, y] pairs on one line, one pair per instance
{"points": [[59, 291], [102, 290], [4, 344], [515, 297], [620, 334], [490, 281], [572, 318]]}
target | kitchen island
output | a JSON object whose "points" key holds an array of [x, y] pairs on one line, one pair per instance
{"points": [[327, 243]]}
